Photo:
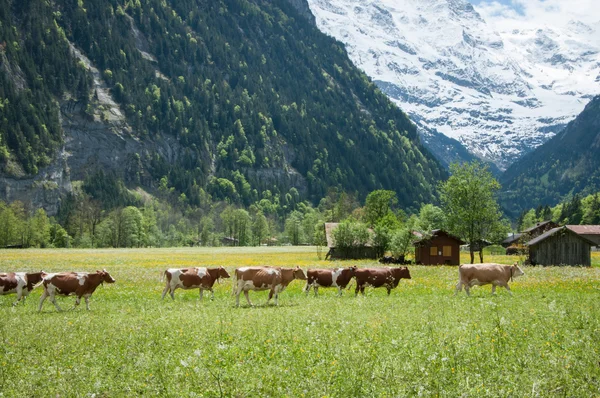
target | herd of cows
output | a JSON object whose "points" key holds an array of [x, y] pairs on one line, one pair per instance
{"points": [[274, 279]]}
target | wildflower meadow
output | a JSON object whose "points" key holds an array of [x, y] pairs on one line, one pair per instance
{"points": [[544, 340]]}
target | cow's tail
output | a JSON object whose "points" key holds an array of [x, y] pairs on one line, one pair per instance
{"points": [[163, 275]]}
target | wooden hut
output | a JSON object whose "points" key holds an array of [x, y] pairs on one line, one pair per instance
{"points": [[347, 253], [560, 246], [591, 232], [440, 248]]}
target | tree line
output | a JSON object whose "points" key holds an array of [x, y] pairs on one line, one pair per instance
{"points": [[467, 209]]}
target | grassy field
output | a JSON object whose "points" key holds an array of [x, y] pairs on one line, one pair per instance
{"points": [[542, 341]]}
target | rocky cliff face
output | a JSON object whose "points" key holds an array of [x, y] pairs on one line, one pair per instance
{"points": [[500, 94]]}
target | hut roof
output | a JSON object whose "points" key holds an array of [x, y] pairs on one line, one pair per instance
{"points": [[435, 233], [330, 227], [585, 229], [511, 239], [555, 231], [539, 225]]}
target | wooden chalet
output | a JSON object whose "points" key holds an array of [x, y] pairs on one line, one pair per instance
{"points": [[538, 229], [560, 246], [440, 248], [347, 253], [591, 232], [514, 243]]}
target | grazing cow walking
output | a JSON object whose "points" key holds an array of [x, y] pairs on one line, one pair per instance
{"points": [[379, 277], [193, 278], [21, 283], [274, 279], [470, 275], [81, 284], [337, 277]]}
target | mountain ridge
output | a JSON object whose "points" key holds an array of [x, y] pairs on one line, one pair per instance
{"points": [[500, 94]]}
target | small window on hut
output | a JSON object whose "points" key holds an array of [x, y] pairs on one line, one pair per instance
{"points": [[433, 251], [447, 251]]}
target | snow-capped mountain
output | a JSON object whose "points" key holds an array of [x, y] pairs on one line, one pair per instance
{"points": [[500, 94]]}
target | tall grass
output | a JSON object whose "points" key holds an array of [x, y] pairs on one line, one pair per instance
{"points": [[421, 340]]}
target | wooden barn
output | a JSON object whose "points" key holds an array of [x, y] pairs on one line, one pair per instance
{"points": [[440, 248], [560, 246], [591, 232], [538, 229], [514, 243], [366, 251]]}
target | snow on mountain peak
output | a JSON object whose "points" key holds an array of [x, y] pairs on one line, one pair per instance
{"points": [[500, 94]]}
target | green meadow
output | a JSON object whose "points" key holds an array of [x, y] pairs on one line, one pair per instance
{"points": [[420, 341]]}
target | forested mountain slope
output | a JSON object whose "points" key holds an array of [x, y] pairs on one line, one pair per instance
{"points": [[215, 98], [568, 164]]}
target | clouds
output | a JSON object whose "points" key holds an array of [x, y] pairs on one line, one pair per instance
{"points": [[519, 14]]}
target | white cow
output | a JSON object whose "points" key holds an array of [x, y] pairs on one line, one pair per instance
{"points": [[470, 275]]}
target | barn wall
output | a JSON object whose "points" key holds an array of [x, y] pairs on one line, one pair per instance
{"points": [[567, 249]]}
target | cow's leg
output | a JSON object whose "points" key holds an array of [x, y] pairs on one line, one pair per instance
{"points": [[316, 290], [357, 290], [167, 288], [77, 302], [307, 288], [493, 288], [340, 289], [19, 295], [247, 298], [271, 294], [508, 288], [467, 289], [201, 293], [53, 300], [42, 299], [87, 302], [458, 287], [362, 290], [389, 290], [212, 294]]}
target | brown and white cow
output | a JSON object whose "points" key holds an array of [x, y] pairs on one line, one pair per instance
{"points": [[336, 277], [193, 278], [21, 283], [379, 277], [470, 275], [274, 279], [81, 284]]}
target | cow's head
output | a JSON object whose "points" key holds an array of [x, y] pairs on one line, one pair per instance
{"points": [[401, 273], [352, 270], [516, 270], [106, 276], [223, 273], [299, 274]]}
